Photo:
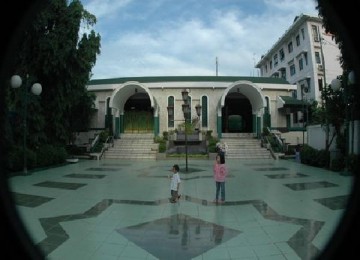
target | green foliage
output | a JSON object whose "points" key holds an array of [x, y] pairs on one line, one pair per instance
{"points": [[15, 160], [166, 135], [265, 131], [48, 155], [337, 164], [314, 157], [212, 144], [208, 134], [162, 143], [53, 53], [97, 147], [162, 147], [45, 155], [103, 136]]}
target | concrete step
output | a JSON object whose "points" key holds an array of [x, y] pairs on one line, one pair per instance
{"points": [[133, 146], [244, 146]]}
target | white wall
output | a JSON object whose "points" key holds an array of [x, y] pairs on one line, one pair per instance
{"points": [[317, 137]]}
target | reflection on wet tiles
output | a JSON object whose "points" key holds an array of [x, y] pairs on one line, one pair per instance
{"points": [[310, 185], [102, 169], [60, 185], [190, 170], [334, 203], [85, 176], [257, 164], [271, 169], [185, 178], [28, 200], [145, 233], [286, 175], [307, 233], [116, 164], [178, 236]]}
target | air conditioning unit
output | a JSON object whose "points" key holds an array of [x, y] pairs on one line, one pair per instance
{"points": [[320, 67]]}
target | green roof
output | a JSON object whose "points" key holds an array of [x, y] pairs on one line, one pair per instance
{"points": [[268, 80]]}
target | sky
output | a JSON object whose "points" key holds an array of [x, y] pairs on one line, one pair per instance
{"points": [[188, 37]]}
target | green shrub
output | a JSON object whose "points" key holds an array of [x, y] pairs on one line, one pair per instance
{"points": [[337, 164], [166, 135], [97, 147], [48, 155], [162, 147], [323, 158], [103, 136], [162, 143], [208, 134], [15, 160], [212, 144], [45, 155]]}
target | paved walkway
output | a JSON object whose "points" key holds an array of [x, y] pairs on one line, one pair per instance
{"points": [[111, 209]]}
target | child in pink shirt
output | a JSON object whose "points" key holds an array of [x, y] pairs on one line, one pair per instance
{"points": [[220, 174]]}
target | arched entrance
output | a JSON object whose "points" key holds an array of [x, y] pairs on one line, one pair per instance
{"points": [[135, 109], [237, 114], [138, 114], [240, 109]]}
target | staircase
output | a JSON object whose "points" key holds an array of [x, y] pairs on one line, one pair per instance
{"points": [[133, 146], [244, 146]]}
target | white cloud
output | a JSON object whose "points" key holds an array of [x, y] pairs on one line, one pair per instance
{"points": [[188, 44]]}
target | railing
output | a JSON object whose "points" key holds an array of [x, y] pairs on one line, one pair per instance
{"points": [[109, 142]]}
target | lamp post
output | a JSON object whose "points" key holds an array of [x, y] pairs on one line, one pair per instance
{"points": [[186, 111], [36, 89], [348, 99]]}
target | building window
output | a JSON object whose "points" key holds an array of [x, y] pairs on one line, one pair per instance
{"points": [[290, 47], [283, 73], [303, 33], [204, 111], [298, 40], [171, 117], [306, 58], [315, 33], [320, 83], [292, 69], [317, 57], [275, 60], [270, 63], [301, 65], [282, 54]]}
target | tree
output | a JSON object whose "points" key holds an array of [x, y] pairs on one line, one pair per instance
{"points": [[53, 51], [338, 24]]}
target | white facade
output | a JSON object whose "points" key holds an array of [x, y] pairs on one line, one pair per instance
{"points": [[219, 97], [306, 56]]}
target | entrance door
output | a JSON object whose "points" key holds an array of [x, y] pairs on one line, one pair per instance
{"points": [[138, 116], [138, 122], [236, 114]]}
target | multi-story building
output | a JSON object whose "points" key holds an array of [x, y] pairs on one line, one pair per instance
{"points": [[306, 56]]}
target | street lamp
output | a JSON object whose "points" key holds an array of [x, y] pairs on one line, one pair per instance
{"points": [[36, 89], [348, 99], [186, 111]]}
